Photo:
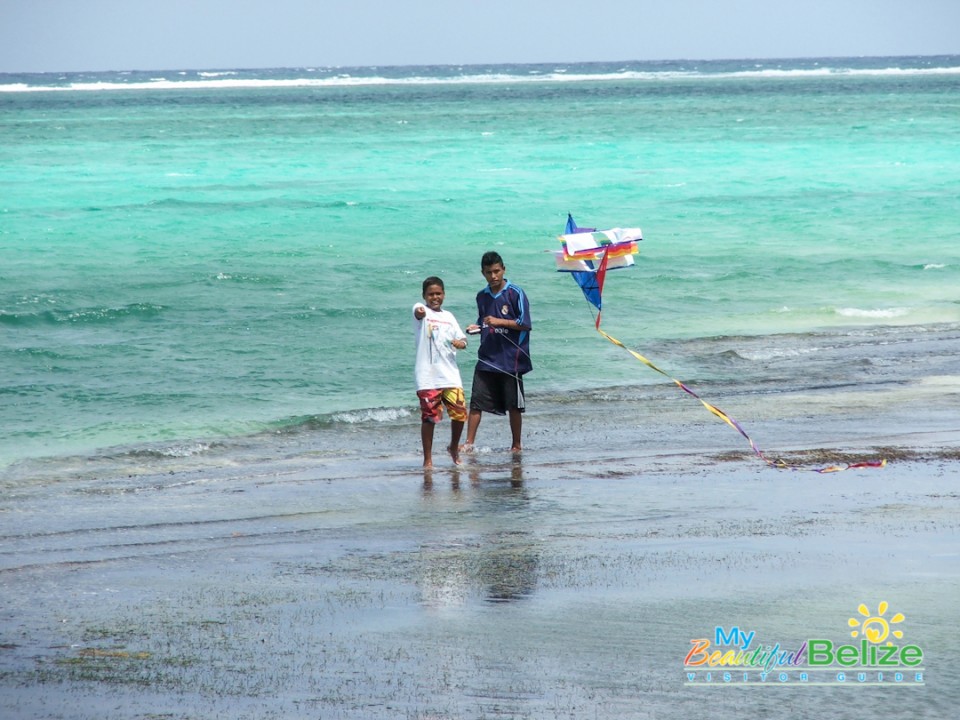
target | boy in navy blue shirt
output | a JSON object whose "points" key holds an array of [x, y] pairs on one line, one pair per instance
{"points": [[503, 321]]}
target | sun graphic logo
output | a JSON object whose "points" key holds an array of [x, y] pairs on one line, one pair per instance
{"points": [[876, 628], [876, 648]]}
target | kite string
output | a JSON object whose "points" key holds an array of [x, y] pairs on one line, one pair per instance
{"points": [[778, 463]]}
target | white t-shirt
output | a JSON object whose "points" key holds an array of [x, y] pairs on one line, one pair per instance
{"points": [[436, 359]]}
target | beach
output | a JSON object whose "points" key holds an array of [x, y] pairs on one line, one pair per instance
{"points": [[556, 583]]}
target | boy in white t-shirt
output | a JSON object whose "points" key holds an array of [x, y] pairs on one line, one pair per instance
{"points": [[438, 337]]}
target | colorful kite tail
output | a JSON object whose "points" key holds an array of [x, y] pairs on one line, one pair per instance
{"points": [[778, 463]]}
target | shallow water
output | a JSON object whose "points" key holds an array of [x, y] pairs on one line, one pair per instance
{"points": [[507, 588]]}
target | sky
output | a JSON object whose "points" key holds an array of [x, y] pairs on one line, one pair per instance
{"points": [[89, 35]]}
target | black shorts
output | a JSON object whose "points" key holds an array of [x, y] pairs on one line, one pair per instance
{"points": [[496, 393]]}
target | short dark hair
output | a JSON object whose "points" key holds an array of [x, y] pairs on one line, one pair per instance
{"points": [[490, 258], [432, 280]]}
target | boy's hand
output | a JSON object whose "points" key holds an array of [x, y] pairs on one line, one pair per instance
{"points": [[460, 344], [419, 312], [491, 321]]}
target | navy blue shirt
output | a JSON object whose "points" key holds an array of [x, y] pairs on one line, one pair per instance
{"points": [[501, 349]]}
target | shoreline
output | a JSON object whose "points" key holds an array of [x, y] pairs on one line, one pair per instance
{"points": [[785, 392], [848, 424]]}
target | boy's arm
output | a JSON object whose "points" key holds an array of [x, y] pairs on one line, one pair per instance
{"points": [[459, 339], [522, 308], [504, 323], [419, 311]]}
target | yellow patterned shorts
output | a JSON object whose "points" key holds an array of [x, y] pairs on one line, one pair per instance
{"points": [[450, 398]]}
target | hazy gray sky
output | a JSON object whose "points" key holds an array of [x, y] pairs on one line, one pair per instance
{"points": [[57, 35]]}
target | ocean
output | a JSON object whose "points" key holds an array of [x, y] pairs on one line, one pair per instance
{"points": [[201, 268]]}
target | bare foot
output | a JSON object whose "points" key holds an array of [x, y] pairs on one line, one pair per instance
{"points": [[428, 464], [516, 449], [454, 453], [466, 448]]}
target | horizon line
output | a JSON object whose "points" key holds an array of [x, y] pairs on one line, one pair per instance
{"points": [[313, 66]]}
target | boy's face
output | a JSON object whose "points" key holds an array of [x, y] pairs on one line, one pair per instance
{"points": [[494, 276], [433, 297]]}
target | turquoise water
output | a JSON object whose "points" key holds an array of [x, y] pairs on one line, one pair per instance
{"points": [[189, 257]]}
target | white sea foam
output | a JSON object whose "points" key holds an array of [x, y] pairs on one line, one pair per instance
{"points": [[934, 266], [221, 79], [877, 313], [183, 451], [371, 415], [762, 354]]}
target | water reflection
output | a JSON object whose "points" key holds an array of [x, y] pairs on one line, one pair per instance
{"points": [[491, 554], [473, 472]]}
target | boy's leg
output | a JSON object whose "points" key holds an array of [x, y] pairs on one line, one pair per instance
{"points": [[453, 400], [456, 428], [426, 436], [473, 422], [473, 419], [429, 416], [516, 426]]}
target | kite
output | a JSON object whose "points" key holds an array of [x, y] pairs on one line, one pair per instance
{"points": [[583, 248], [587, 254]]}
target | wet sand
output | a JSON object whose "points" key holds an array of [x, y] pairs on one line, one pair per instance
{"points": [[543, 586]]}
